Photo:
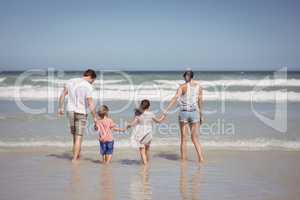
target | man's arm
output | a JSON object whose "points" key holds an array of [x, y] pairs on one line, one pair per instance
{"points": [[91, 107], [173, 100], [61, 106]]}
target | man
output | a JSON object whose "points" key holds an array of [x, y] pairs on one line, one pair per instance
{"points": [[79, 91]]}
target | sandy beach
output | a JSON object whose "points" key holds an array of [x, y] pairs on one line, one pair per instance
{"points": [[159, 87], [47, 173], [250, 161]]}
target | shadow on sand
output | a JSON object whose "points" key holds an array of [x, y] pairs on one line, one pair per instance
{"points": [[129, 162], [65, 156], [168, 156], [97, 161], [68, 156]]}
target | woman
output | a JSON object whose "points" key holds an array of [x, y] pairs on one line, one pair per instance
{"points": [[189, 98]]}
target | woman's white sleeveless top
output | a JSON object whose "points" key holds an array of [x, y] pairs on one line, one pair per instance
{"points": [[189, 100]]}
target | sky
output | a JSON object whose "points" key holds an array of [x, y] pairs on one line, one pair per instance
{"points": [[150, 35]]}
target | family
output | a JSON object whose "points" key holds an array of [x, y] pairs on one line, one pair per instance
{"points": [[80, 102]]}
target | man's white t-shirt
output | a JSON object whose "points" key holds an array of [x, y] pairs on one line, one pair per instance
{"points": [[78, 92]]}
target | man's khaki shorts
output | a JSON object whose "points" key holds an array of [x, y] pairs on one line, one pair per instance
{"points": [[77, 122]]}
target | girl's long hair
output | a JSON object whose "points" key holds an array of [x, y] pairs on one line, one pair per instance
{"points": [[145, 104]]}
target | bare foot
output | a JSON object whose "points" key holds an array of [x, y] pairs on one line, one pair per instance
{"points": [[201, 161], [184, 159], [101, 162], [75, 160]]}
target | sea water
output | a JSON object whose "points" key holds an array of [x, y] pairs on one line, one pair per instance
{"points": [[242, 110]]}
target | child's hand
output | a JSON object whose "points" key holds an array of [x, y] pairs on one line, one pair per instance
{"points": [[163, 117], [127, 126]]}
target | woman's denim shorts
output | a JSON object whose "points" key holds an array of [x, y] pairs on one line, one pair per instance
{"points": [[189, 116]]}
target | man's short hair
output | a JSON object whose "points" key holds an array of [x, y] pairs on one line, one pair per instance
{"points": [[91, 73]]}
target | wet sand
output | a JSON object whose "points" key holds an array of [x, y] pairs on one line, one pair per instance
{"points": [[47, 173]]}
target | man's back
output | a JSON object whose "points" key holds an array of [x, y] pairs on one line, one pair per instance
{"points": [[78, 91]]}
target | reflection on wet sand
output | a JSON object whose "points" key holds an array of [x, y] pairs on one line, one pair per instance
{"points": [[140, 187], [189, 189], [106, 183], [75, 185]]}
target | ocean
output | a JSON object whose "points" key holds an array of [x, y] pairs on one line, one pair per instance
{"points": [[239, 107], [250, 136]]}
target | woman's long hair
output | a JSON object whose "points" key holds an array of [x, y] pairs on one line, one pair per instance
{"points": [[188, 75]]}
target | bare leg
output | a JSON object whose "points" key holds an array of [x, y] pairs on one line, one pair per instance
{"points": [[108, 158], [183, 141], [77, 148], [195, 130], [78, 157], [143, 155], [147, 149], [73, 148]]}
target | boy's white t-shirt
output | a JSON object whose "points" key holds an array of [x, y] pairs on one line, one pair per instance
{"points": [[78, 92]]}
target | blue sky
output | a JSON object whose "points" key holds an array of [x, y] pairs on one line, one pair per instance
{"points": [[150, 35]]}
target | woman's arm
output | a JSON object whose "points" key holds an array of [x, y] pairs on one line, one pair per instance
{"points": [[159, 119], [173, 100]]}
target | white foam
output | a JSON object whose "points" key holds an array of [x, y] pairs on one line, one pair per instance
{"points": [[2, 79], [29, 92], [241, 82], [204, 83], [250, 145], [63, 81]]}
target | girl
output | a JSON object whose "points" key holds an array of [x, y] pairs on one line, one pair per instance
{"points": [[142, 132], [105, 126]]}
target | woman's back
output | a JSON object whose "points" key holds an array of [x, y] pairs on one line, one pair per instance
{"points": [[189, 99]]}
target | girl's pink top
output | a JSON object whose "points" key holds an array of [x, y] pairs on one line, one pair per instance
{"points": [[104, 127]]}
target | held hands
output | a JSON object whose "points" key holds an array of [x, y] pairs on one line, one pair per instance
{"points": [[95, 120], [163, 116], [127, 127]]}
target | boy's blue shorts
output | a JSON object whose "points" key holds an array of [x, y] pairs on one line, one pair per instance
{"points": [[106, 147]]}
